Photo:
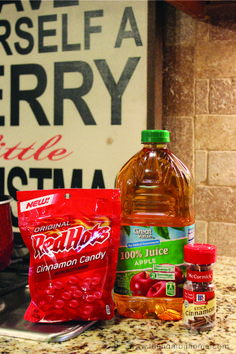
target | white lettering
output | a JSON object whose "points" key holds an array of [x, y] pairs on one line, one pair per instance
{"points": [[86, 259], [53, 266]]}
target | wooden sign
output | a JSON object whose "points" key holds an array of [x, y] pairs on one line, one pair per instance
{"points": [[73, 92]]}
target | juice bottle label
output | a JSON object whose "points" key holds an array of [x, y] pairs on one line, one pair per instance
{"points": [[152, 255]]}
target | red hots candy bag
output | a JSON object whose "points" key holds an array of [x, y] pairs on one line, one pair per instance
{"points": [[73, 238]]}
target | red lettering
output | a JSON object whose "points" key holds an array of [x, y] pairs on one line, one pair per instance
{"points": [[21, 155], [43, 201], [10, 150], [44, 152], [56, 153], [50, 143], [29, 205], [37, 202]]}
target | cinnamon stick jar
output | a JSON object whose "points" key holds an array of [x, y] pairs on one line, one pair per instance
{"points": [[199, 305]]}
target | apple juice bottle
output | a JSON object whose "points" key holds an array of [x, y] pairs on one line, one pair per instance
{"points": [[157, 221]]}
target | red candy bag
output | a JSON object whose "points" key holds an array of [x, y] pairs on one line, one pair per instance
{"points": [[73, 239]]}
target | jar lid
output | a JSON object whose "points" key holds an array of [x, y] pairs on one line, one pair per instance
{"points": [[155, 136], [200, 253]]}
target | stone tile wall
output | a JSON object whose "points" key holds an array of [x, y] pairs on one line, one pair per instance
{"points": [[199, 109]]}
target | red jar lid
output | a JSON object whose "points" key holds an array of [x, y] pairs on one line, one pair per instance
{"points": [[200, 253]]}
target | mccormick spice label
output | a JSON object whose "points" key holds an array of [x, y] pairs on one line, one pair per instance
{"points": [[73, 238]]}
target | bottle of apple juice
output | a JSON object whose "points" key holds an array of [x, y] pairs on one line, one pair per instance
{"points": [[157, 220]]}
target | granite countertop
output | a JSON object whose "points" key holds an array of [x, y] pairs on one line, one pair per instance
{"points": [[124, 335]]}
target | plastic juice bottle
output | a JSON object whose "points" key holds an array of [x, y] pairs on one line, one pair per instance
{"points": [[157, 220]]}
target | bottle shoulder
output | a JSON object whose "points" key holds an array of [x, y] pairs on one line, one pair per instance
{"points": [[156, 186], [151, 164]]}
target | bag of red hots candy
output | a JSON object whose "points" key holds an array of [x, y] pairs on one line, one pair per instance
{"points": [[73, 238]]}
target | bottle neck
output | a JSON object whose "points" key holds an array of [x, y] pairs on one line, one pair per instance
{"points": [[155, 145]]}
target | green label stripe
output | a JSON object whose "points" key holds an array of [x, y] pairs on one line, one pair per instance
{"points": [[144, 258]]}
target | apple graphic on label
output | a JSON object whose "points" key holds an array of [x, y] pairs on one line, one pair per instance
{"points": [[140, 284], [159, 290]]}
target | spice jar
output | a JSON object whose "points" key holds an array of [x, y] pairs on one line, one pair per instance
{"points": [[199, 306]]}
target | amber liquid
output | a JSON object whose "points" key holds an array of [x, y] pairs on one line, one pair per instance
{"points": [[156, 190]]}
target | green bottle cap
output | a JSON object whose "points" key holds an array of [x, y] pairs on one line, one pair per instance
{"points": [[155, 136]]}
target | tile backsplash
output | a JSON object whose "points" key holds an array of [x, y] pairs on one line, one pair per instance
{"points": [[199, 109]]}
